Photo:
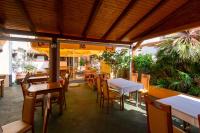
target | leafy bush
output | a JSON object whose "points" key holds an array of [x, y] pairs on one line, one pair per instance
{"points": [[194, 91], [119, 60], [177, 64], [143, 63]]}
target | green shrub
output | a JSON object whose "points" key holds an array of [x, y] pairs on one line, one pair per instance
{"points": [[194, 91], [143, 63]]}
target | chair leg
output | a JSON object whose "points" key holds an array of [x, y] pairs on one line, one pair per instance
{"points": [[140, 99], [65, 104], [42, 108], [103, 102], [108, 105], [97, 97], [120, 103], [33, 130], [100, 101]]}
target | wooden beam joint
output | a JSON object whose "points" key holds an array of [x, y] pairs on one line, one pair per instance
{"points": [[121, 16], [25, 13], [93, 13]]}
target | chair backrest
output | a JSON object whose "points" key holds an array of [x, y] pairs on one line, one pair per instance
{"points": [[66, 84], [105, 88], [46, 114], [2, 76], [106, 76], [28, 109], [24, 89], [25, 80], [134, 77], [145, 79], [158, 117]]}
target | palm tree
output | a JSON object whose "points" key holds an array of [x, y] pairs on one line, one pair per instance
{"points": [[185, 46]]}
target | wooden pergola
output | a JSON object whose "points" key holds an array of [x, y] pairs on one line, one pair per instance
{"points": [[96, 21]]}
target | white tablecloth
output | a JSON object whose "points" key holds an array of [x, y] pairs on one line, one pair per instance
{"points": [[124, 86], [184, 107]]}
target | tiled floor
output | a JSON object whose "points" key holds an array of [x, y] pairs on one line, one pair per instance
{"points": [[82, 115]]}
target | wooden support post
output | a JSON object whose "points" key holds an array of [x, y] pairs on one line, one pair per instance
{"points": [[54, 61]]}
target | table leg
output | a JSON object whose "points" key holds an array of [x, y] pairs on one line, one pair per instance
{"points": [[1, 88], [186, 127], [136, 98], [122, 101], [61, 102]]}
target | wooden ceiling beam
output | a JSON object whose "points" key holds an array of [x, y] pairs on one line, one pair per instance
{"points": [[152, 11], [60, 15], [96, 6], [42, 34], [138, 44], [145, 35], [26, 14], [120, 17]]}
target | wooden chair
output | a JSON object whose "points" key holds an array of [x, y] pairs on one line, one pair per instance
{"points": [[109, 95], [39, 101], [159, 118], [27, 122], [46, 114], [99, 90], [91, 81], [134, 78], [145, 79], [2, 77], [55, 97]]}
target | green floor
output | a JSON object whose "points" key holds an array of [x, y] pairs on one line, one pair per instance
{"points": [[82, 114]]}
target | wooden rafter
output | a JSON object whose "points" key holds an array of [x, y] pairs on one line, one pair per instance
{"points": [[42, 34], [153, 10], [26, 14], [2, 21], [155, 26], [59, 12], [121, 16], [93, 13], [137, 45]]}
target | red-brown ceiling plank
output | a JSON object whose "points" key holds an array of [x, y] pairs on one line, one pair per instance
{"points": [[59, 14], [24, 11], [153, 10], [121, 16], [176, 21], [93, 13]]}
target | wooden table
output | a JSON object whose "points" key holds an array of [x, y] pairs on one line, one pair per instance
{"points": [[125, 86], [36, 79], [184, 107], [2, 87], [48, 88]]}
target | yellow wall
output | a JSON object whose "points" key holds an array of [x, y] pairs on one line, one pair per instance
{"points": [[161, 92], [105, 67]]}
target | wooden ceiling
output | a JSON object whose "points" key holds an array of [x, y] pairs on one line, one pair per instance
{"points": [[108, 21]]}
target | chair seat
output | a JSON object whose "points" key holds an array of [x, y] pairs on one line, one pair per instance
{"points": [[177, 130], [16, 127], [143, 91]]}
